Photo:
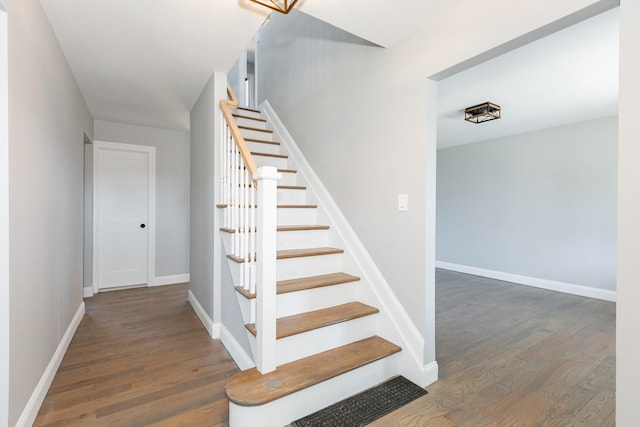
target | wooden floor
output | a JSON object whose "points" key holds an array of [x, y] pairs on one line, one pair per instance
{"points": [[140, 357], [508, 356], [516, 356]]}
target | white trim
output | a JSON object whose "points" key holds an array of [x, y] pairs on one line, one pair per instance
{"points": [[30, 411], [212, 328], [242, 359], [551, 285], [412, 340], [151, 257], [430, 373], [87, 292], [171, 280]]}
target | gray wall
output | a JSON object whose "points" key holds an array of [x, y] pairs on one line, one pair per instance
{"points": [[205, 247], [339, 96], [47, 121], [540, 204], [172, 188]]}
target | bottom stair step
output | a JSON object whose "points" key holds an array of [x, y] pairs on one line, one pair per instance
{"points": [[251, 388]]}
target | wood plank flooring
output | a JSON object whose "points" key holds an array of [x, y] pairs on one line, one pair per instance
{"points": [[508, 356], [516, 356], [140, 357]]}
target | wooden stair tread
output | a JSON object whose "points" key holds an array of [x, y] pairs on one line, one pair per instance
{"points": [[302, 227], [261, 141], [256, 129], [312, 282], [240, 116], [224, 205], [300, 253], [291, 187], [248, 109], [251, 388], [287, 171], [279, 156], [297, 206], [286, 228], [305, 322], [296, 253], [304, 283]]}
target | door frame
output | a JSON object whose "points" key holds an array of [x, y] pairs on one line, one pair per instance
{"points": [[99, 146]]}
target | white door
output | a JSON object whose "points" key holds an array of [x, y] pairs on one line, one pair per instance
{"points": [[124, 176]]}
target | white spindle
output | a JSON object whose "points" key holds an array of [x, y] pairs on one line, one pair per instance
{"points": [[251, 215]]}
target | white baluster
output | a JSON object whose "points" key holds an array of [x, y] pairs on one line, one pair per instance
{"points": [[252, 242]]}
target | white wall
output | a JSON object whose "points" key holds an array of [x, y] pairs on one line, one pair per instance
{"points": [[360, 113], [628, 315], [540, 204], [172, 189], [4, 222], [47, 121]]}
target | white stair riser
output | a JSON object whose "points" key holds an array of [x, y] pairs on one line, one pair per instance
{"points": [[302, 239], [293, 268], [287, 409], [296, 216], [313, 342], [260, 147], [303, 301], [277, 162], [308, 266], [241, 121], [318, 340], [255, 114], [288, 178], [315, 299], [288, 196], [256, 134]]}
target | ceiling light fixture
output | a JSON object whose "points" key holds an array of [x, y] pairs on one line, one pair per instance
{"points": [[282, 6], [482, 113]]}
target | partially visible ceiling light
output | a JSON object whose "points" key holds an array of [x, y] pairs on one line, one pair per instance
{"points": [[282, 6], [482, 113]]}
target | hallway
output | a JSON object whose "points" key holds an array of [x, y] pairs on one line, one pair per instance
{"points": [[140, 357]]}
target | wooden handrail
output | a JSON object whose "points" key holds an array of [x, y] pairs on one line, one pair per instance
{"points": [[225, 106]]}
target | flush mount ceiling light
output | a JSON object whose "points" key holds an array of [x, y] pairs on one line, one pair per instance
{"points": [[482, 113], [282, 6]]}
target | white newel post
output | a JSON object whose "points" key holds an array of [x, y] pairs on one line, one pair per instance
{"points": [[266, 224]]}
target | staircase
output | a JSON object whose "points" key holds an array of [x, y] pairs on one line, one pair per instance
{"points": [[334, 337]]}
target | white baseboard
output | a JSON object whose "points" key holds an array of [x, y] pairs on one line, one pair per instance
{"points": [[171, 280], [30, 411], [430, 372], [552, 285], [87, 292], [242, 359], [212, 328]]}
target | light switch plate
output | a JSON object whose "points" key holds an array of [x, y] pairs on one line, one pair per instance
{"points": [[403, 202]]}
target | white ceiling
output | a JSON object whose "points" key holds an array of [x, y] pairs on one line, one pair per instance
{"points": [[566, 77], [146, 61]]}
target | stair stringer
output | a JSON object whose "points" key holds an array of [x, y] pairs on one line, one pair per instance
{"points": [[394, 323]]}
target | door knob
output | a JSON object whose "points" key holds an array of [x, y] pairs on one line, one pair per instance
{"points": [[142, 226]]}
